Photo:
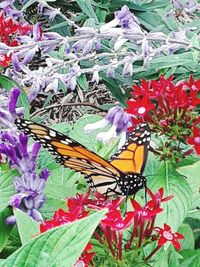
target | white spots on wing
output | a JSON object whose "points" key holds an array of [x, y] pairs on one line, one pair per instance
{"points": [[52, 133], [66, 142], [47, 137]]}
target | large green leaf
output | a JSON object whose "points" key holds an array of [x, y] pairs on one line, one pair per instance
{"points": [[5, 229], [60, 246], [176, 185], [6, 187], [188, 242], [27, 227], [192, 174]]}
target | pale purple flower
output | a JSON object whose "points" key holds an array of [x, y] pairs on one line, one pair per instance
{"points": [[191, 6], [145, 47], [128, 67], [119, 121], [51, 13], [10, 10], [178, 4], [119, 43], [95, 76], [126, 19]]}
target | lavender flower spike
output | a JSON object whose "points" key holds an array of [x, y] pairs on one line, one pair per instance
{"points": [[29, 196], [119, 121]]}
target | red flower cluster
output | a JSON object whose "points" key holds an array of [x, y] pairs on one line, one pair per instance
{"points": [[9, 29], [140, 221], [169, 107]]}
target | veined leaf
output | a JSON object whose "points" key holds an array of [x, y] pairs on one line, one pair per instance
{"points": [[177, 186], [60, 246]]}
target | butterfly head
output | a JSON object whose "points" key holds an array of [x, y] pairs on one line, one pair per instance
{"points": [[132, 183]]}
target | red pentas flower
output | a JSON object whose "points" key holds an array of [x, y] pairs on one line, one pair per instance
{"points": [[9, 30], [166, 235], [195, 139], [61, 217], [139, 106], [169, 108]]}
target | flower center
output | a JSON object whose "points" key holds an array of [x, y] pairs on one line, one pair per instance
{"points": [[167, 235], [197, 140], [120, 225], [141, 110]]}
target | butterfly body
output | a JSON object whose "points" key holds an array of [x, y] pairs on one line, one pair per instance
{"points": [[121, 175]]}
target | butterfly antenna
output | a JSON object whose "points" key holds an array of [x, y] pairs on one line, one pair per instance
{"points": [[145, 191]]}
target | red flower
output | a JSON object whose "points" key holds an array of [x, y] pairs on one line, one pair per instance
{"points": [[86, 257], [115, 220], [140, 106], [144, 213], [61, 217], [195, 139], [9, 30], [157, 198], [166, 235]]}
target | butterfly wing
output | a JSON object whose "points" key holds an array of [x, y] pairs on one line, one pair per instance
{"points": [[99, 173], [131, 158]]}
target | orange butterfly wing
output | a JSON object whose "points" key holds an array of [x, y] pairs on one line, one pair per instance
{"points": [[131, 158], [98, 172]]}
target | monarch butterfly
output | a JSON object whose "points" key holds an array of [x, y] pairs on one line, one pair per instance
{"points": [[121, 175]]}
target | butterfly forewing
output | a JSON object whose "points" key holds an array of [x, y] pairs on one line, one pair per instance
{"points": [[99, 173]]}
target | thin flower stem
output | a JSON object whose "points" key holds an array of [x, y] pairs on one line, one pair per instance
{"points": [[107, 235], [120, 246], [141, 234], [152, 253], [98, 237]]}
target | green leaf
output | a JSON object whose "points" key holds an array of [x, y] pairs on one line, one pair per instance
{"points": [[27, 227], [78, 133], [192, 174], [6, 187], [176, 185], [60, 246], [193, 260], [83, 83], [188, 242], [185, 59], [51, 205], [87, 9], [5, 229], [8, 84], [114, 89]]}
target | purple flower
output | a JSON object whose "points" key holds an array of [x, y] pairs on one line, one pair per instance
{"points": [[20, 155], [119, 121], [7, 117]]}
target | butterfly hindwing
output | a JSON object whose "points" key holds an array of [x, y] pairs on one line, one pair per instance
{"points": [[131, 158]]}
